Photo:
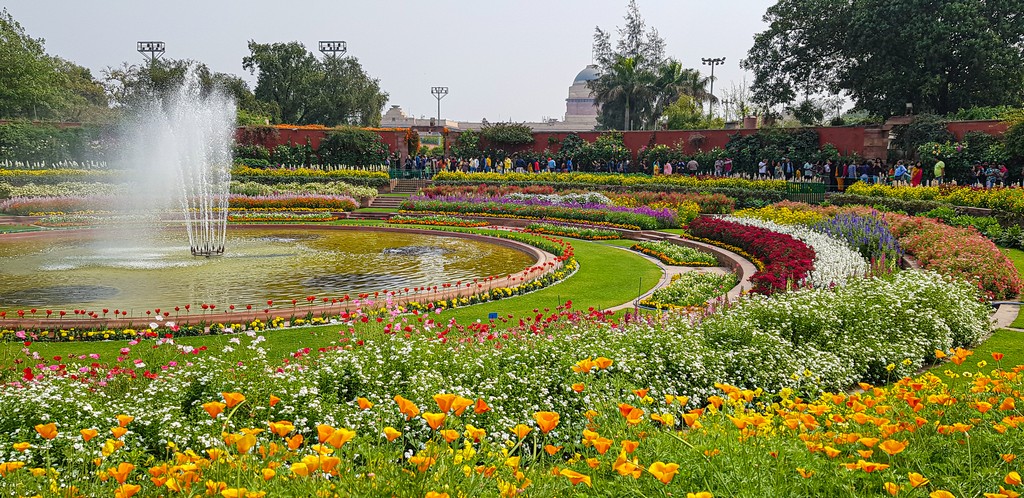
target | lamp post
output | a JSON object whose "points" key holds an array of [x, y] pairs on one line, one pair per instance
{"points": [[439, 92], [333, 48], [712, 62]]}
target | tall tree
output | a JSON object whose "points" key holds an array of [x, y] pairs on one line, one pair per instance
{"points": [[937, 55], [30, 85], [627, 83], [307, 90]]}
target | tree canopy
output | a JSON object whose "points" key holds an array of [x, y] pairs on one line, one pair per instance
{"points": [[638, 82], [331, 92], [35, 85], [939, 56]]}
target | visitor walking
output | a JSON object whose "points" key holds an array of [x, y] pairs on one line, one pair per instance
{"points": [[940, 171]]}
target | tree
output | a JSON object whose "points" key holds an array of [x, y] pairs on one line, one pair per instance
{"points": [[628, 86], [685, 114], [32, 84], [938, 56], [306, 90]]}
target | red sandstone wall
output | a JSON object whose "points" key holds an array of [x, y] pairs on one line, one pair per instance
{"points": [[848, 139]]}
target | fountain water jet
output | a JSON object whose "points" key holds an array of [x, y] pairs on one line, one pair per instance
{"points": [[185, 139]]}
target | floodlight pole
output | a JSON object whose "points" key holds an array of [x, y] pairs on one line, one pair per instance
{"points": [[439, 92], [712, 62], [333, 48], [151, 49]]}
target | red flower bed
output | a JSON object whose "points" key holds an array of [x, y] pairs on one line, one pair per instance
{"points": [[787, 261]]}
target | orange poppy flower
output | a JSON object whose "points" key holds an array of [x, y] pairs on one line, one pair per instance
{"points": [[434, 420], [552, 449], [339, 437], [892, 488], [641, 393], [602, 362], [579, 387], [664, 472], [124, 420], [391, 433], [444, 402], [274, 400], [408, 408], [364, 404], [629, 446], [481, 406], [88, 434], [47, 431], [917, 480], [449, 435], [460, 404], [121, 472], [892, 447], [294, 442], [575, 477], [233, 399], [546, 421], [1013, 479], [127, 490], [942, 493], [806, 474], [521, 431], [214, 408]]}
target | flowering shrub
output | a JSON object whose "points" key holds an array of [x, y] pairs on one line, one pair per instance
{"points": [[59, 175], [961, 252], [834, 261], [585, 198], [868, 235], [65, 189], [1006, 199], [691, 289], [306, 175], [642, 217], [787, 261], [440, 220], [329, 188], [706, 203], [598, 179], [483, 190], [783, 215], [274, 216], [674, 254], [574, 231], [335, 202]]}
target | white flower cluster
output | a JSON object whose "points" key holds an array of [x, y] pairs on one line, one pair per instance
{"points": [[835, 262], [571, 198]]}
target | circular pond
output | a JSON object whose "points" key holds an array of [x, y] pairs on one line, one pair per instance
{"points": [[95, 269]]}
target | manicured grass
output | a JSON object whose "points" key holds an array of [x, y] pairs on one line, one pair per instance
{"points": [[18, 228], [376, 210], [608, 276], [1017, 256]]}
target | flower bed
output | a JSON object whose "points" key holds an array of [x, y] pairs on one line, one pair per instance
{"points": [[328, 188], [690, 290], [289, 201], [595, 179], [307, 175], [834, 261], [706, 203], [62, 189], [439, 220], [483, 190], [576, 232], [674, 254], [868, 235], [413, 401], [57, 176], [642, 217], [961, 252], [1005, 199], [257, 216], [787, 261]]}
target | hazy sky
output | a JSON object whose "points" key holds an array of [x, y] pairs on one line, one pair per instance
{"points": [[501, 59]]}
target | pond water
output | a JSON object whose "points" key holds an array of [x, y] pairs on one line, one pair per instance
{"points": [[87, 270]]}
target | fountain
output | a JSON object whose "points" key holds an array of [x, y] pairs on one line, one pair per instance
{"points": [[185, 140]]}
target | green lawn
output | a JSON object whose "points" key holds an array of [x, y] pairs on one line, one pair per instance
{"points": [[18, 228], [608, 276], [1017, 256]]}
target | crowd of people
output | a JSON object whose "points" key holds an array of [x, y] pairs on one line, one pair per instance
{"points": [[835, 174]]}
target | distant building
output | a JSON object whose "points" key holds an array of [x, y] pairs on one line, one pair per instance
{"points": [[580, 112]]}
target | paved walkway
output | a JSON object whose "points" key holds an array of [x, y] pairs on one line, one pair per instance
{"points": [[667, 272]]}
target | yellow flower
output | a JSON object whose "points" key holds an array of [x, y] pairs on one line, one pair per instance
{"points": [[1013, 479], [892, 488], [47, 431], [892, 447], [434, 420]]}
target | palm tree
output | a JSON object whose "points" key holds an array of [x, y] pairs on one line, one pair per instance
{"points": [[692, 83], [628, 84]]}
